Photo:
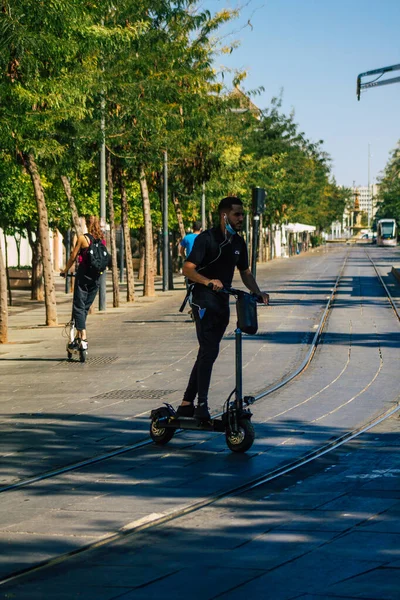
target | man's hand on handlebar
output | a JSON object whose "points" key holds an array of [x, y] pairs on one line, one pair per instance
{"points": [[216, 284], [265, 297]]}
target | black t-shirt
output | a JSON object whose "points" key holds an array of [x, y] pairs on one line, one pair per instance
{"points": [[216, 257]]}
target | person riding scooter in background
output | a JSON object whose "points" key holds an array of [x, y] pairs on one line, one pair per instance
{"points": [[86, 282], [210, 267]]}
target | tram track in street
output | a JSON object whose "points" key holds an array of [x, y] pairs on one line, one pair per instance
{"points": [[272, 474]]}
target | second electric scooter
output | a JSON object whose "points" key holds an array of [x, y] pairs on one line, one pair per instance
{"points": [[235, 420], [75, 346]]}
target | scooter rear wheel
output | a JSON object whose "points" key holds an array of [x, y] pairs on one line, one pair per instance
{"points": [[160, 435], [82, 355], [242, 439]]}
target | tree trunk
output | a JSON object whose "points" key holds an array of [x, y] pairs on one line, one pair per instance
{"points": [[71, 201], [3, 301], [130, 284], [37, 290], [148, 283], [18, 245], [140, 275], [49, 287], [179, 216], [114, 264]]}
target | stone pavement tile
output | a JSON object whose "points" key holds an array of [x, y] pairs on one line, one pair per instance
{"points": [[115, 581], [361, 504], [377, 584], [298, 500], [268, 550], [69, 591], [360, 544], [386, 522], [197, 582], [306, 574], [67, 523], [22, 550], [320, 520], [321, 596]]}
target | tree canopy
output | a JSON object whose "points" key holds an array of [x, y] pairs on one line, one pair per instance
{"points": [[147, 68], [389, 188]]}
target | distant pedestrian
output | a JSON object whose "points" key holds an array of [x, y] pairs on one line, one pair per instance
{"points": [[87, 280], [186, 245]]}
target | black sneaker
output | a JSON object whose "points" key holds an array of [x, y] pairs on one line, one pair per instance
{"points": [[201, 412], [74, 345], [185, 411]]}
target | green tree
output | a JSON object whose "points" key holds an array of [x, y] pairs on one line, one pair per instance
{"points": [[389, 188]]}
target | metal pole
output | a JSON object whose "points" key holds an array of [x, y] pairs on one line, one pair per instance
{"points": [[254, 249], [165, 226], [170, 265], [247, 231], [369, 192], [238, 365], [121, 256], [159, 236], [102, 289], [68, 252], [203, 206]]}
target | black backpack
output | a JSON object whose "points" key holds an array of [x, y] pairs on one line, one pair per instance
{"points": [[97, 257]]}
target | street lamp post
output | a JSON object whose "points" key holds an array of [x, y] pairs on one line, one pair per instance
{"points": [[203, 206], [102, 288], [165, 226], [258, 204]]}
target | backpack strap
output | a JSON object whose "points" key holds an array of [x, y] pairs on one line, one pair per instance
{"points": [[89, 237]]}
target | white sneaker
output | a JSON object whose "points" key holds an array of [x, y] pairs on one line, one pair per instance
{"points": [[84, 345]]}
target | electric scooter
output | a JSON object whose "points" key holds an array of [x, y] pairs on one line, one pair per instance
{"points": [[75, 346], [235, 420]]}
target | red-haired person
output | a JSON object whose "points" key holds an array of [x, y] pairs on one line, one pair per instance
{"points": [[86, 284]]}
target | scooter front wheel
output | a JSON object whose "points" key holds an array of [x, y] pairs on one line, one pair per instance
{"points": [[160, 435], [242, 439]]}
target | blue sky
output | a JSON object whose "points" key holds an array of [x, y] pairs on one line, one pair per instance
{"points": [[313, 51]]}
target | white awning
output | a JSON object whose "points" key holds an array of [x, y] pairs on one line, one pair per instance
{"points": [[299, 228]]}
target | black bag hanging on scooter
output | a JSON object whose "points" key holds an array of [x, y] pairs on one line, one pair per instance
{"points": [[246, 310]]}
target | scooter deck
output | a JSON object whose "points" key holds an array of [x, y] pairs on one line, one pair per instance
{"points": [[192, 423]]}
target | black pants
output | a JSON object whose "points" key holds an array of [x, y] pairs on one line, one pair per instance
{"points": [[210, 330], [84, 294]]}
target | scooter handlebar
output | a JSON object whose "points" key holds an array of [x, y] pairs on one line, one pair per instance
{"points": [[235, 292]]}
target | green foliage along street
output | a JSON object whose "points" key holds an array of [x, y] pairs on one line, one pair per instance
{"points": [[147, 70], [389, 189]]}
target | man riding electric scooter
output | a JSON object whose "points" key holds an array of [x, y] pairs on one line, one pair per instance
{"points": [[209, 268]]}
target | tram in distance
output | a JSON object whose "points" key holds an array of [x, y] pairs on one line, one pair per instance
{"points": [[386, 233]]}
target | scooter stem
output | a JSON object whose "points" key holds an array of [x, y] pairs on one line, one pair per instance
{"points": [[238, 367]]}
